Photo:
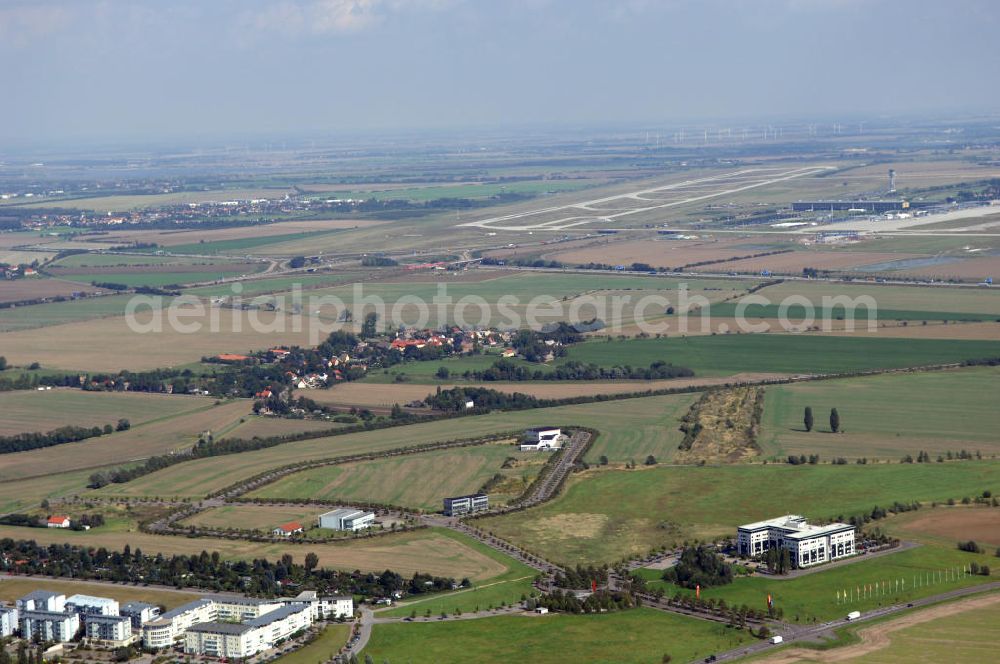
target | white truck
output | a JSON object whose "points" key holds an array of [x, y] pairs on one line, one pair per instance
{"points": [[853, 615], [777, 638]]}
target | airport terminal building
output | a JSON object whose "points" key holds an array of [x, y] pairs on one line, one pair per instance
{"points": [[807, 544]]}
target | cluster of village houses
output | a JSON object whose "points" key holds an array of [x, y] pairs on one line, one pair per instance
{"points": [[16, 271], [228, 626]]}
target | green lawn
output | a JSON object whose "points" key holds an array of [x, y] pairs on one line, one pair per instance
{"points": [[790, 353], [333, 637], [507, 588], [636, 636], [609, 514], [418, 481], [886, 416], [921, 572]]}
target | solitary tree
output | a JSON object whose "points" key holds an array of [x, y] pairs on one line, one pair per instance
{"points": [[808, 418], [834, 420], [312, 561]]}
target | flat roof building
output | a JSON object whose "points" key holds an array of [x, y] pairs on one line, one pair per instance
{"points": [[112, 630], [139, 613], [459, 505], [246, 639], [42, 600], [807, 544], [541, 438], [101, 606], [49, 625], [347, 519]]}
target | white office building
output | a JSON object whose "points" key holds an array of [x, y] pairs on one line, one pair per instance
{"points": [[347, 519], [459, 505], [8, 621], [110, 630], [100, 606], [246, 639], [49, 625], [807, 544]]}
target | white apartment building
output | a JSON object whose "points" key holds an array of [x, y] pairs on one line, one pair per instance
{"points": [[8, 621], [49, 625], [246, 639], [170, 627], [111, 630], [100, 606], [42, 600], [329, 606], [807, 544]]}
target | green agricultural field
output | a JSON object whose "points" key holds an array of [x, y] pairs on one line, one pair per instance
{"points": [[797, 313], [157, 279], [121, 260], [418, 481], [30, 410], [21, 495], [251, 287], [886, 416], [506, 588], [631, 429], [605, 515], [58, 313], [920, 572], [725, 354], [900, 298], [504, 301], [333, 637], [241, 245], [638, 636]]}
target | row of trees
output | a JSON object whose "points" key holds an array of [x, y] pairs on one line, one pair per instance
{"points": [[68, 434], [209, 571], [506, 370]]}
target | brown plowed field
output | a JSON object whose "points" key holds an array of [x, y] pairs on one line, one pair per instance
{"points": [[31, 288]]}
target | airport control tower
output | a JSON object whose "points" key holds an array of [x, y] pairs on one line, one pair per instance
{"points": [[892, 181]]}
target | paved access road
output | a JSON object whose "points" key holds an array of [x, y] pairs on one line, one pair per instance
{"points": [[797, 633]]}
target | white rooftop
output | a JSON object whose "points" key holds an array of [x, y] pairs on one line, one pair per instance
{"points": [[795, 526]]}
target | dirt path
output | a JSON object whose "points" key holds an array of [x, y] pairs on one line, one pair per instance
{"points": [[879, 636]]}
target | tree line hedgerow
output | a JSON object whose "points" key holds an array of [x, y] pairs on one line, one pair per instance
{"points": [[209, 571], [68, 434]]}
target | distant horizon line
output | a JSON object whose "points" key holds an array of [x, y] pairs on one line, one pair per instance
{"points": [[264, 140]]}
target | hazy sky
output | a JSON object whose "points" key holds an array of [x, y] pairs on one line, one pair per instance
{"points": [[89, 69]]}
